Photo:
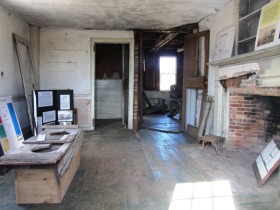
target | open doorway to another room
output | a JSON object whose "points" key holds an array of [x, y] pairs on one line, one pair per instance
{"points": [[162, 92], [111, 85]]}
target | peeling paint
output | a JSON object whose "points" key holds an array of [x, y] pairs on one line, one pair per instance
{"points": [[111, 14]]}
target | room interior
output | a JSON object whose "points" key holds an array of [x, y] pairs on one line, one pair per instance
{"points": [[142, 137]]}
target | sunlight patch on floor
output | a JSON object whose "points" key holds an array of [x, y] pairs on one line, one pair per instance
{"points": [[214, 195]]}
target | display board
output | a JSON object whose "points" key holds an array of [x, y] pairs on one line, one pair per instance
{"points": [[52, 107], [10, 132], [267, 162], [269, 26]]}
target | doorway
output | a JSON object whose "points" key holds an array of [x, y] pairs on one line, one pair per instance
{"points": [[161, 106], [111, 86]]}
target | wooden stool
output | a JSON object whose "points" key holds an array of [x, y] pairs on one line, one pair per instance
{"points": [[216, 141]]}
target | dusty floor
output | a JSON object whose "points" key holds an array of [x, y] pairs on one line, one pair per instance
{"points": [[162, 122], [154, 170]]}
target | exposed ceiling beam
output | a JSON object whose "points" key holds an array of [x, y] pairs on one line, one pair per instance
{"points": [[184, 29], [164, 41]]}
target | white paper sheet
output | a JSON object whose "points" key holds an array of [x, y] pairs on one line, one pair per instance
{"points": [[45, 98], [49, 116], [41, 137], [64, 101], [224, 44]]}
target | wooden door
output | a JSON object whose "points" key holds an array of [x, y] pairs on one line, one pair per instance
{"points": [[193, 77], [28, 74]]}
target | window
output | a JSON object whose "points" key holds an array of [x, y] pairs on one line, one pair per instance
{"points": [[167, 67]]}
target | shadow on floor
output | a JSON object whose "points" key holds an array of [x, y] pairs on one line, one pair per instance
{"points": [[108, 124], [161, 122]]}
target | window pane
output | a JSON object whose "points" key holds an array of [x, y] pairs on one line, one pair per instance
{"points": [[168, 71], [167, 65], [166, 80]]}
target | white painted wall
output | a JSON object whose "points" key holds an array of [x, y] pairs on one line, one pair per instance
{"points": [[224, 19], [66, 62], [11, 83]]}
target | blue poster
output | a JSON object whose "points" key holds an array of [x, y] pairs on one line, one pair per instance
{"points": [[14, 118]]}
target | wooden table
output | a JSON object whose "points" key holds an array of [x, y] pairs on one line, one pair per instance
{"points": [[45, 175]]}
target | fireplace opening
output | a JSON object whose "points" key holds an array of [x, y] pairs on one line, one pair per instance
{"points": [[253, 120]]}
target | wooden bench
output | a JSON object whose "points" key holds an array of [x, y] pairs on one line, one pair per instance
{"points": [[216, 141]]}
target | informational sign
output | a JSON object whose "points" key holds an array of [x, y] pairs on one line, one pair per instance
{"points": [[45, 98], [5, 145], [10, 133], [224, 44], [268, 33], [47, 103], [49, 116], [64, 102], [267, 162]]}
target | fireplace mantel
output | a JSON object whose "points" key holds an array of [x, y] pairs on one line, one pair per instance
{"points": [[248, 57]]}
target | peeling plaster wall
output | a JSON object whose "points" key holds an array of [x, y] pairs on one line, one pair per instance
{"points": [[216, 23], [65, 62], [11, 83], [224, 19]]}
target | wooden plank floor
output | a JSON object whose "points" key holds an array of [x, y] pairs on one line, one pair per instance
{"points": [[162, 122], [154, 170]]}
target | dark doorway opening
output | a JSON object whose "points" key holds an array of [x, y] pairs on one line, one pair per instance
{"points": [[111, 84]]}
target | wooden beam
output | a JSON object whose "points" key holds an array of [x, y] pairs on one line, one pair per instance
{"points": [[199, 34], [163, 42], [194, 82], [184, 29], [141, 70]]}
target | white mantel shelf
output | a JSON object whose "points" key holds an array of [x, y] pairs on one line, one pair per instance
{"points": [[248, 57]]}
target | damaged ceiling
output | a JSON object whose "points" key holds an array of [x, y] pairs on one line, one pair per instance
{"points": [[113, 14]]}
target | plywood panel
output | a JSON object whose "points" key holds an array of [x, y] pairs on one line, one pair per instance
{"points": [[83, 105], [108, 99]]}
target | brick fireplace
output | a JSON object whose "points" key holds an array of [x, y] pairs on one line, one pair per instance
{"points": [[254, 112]]}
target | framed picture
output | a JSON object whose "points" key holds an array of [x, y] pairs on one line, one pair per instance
{"points": [[65, 115]]}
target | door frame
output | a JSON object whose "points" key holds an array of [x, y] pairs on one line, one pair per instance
{"points": [[130, 42]]}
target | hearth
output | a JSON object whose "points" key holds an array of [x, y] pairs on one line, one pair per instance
{"points": [[254, 113]]}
